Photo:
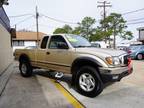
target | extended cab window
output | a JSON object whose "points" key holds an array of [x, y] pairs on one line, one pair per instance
{"points": [[58, 42], [44, 42]]}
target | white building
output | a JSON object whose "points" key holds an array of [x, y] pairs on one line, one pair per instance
{"points": [[25, 38], [141, 34], [6, 56]]}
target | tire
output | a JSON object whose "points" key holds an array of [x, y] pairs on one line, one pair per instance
{"points": [[88, 82], [139, 56], [25, 69]]}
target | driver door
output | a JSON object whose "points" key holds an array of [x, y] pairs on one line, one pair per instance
{"points": [[58, 55]]}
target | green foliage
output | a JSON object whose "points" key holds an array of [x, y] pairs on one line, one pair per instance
{"points": [[127, 35], [64, 29], [77, 31], [115, 25], [98, 35], [86, 27]]}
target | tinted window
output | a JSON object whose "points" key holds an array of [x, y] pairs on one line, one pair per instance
{"points": [[55, 40], [44, 42]]}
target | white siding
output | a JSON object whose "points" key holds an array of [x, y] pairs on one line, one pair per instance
{"points": [[26, 44], [29, 43], [141, 34]]}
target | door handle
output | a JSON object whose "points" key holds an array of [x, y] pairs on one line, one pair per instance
{"points": [[47, 53]]}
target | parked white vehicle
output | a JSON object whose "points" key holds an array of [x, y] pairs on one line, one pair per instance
{"points": [[99, 44]]}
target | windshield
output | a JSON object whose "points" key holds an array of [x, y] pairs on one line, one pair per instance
{"points": [[135, 47], [78, 41]]}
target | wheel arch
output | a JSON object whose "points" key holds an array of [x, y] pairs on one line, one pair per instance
{"points": [[84, 61], [24, 57]]}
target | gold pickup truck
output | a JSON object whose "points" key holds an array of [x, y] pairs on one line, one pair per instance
{"points": [[90, 67]]}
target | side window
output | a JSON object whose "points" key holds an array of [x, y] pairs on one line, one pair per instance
{"points": [[56, 41], [142, 47], [44, 42]]}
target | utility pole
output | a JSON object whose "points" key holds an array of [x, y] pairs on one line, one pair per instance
{"points": [[103, 5], [15, 27], [37, 26]]}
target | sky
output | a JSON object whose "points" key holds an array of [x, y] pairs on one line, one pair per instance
{"points": [[71, 11]]}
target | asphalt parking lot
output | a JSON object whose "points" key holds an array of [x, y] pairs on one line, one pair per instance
{"points": [[43, 91]]}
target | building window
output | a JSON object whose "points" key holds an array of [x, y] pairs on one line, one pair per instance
{"points": [[18, 43]]}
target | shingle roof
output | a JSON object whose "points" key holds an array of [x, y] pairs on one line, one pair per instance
{"points": [[29, 36]]}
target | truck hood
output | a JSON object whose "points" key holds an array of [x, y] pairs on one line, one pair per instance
{"points": [[102, 52]]}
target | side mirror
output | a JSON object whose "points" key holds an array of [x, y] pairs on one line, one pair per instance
{"points": [[62, 45]]}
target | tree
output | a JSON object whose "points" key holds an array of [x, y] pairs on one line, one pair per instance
{"points": [[116, 25], [85, 27], [77, 30], [64, 29], [98, 35], [67, 28]]}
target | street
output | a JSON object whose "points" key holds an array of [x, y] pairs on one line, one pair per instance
{"points": [[42, 91]]}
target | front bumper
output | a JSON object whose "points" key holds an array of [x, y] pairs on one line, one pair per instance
{"points": [[115, 74]]}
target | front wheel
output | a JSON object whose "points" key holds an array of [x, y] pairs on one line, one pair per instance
{"points": [[139, 56], [88, 82], [25, 69]]}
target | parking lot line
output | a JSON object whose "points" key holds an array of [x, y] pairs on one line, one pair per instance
{"points": [[68, 95]]}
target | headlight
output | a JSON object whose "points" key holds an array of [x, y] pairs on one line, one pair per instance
{"points": [[116, 61], [113, 61], [109, 60]]}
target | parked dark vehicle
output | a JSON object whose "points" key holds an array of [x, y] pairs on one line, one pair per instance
{"points": [[136, 52]]}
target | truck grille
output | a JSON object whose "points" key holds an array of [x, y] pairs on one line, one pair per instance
{"points": [[124, 60]]}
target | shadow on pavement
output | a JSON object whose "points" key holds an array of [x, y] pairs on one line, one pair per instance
{"points": [[67, 78], [51, 74]]}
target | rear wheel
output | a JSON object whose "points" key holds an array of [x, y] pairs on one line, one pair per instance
{"points": [[88, 82], [25, 69], [139, 56]]}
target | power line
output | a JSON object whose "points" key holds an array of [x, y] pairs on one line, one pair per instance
{"points": [[23, 20], [57, 20], [44, 25], [142, 9], [22, 15], [135, 19], [135, 23]]}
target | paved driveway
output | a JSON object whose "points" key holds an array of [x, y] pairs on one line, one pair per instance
{"points": [[41, 91]]}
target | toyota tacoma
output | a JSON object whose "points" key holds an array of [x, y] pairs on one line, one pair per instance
{"points": [[72, 54]]}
